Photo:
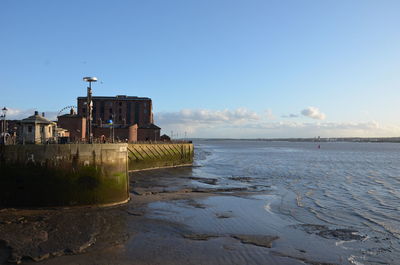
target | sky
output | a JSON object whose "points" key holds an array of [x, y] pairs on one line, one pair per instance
{"points": [[213, 68]]}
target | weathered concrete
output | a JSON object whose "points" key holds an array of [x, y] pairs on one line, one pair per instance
{"points": [[145, 156], [63, 175]]}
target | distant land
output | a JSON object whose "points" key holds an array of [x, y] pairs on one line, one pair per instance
{"points": [[315, 139]]}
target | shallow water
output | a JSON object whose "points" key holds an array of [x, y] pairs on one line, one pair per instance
{"points": [[244, 202], [352, 186]]}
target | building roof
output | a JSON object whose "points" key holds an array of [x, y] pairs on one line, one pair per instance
{"points": [[149, 126], [36, 119], [71, 116], [119, 97]]}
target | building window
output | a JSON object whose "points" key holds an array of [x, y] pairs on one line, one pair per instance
{"points": [[120, 104], [84, 110], [110, 110], [120, 111], [30, 129]]}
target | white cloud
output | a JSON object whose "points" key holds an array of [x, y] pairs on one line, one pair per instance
{"points": [[243, 123], [291, 115], [269, 115], [314, 113], [203, 122], [204, 116], [18, 114]]}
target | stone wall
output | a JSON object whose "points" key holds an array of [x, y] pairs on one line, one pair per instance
{"points": [[63, 175], [145, 156]]}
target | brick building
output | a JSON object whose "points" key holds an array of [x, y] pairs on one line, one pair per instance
{"points": [[123, 118], [148, 132], [122, 110], [75, 124]]}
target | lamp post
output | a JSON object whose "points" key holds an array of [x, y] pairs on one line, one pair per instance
{"points": [[4, 125], [89, 104], [111, 122]]}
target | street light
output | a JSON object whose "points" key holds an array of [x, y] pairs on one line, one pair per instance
{"points": [[111, 122], [89, 105], [90, 79], [4, 127]]}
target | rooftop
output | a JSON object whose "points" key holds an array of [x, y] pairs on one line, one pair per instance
{"points": [[36, 118], [119, 97], [71, 115], [149, 126]]}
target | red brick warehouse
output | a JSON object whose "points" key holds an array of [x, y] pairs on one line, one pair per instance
{"points": [[132, 118]]}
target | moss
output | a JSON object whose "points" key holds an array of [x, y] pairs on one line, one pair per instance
{"points": [[163, 155], [37, 185], [59, 178]]}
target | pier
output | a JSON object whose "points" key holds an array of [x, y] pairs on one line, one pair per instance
{"points": [[79, 174]]}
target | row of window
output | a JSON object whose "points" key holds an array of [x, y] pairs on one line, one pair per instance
{"points": [[30, 129], [110, 111], [120, 119]]}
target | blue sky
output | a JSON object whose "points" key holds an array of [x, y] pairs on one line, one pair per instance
{"points": [[214, 68]]}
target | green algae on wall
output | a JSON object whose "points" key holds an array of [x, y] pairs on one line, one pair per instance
{"points": [[63, 175], [145, 156]]}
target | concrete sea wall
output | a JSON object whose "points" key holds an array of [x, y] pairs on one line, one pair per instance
{"points": [[146, 156], [63, 175]]}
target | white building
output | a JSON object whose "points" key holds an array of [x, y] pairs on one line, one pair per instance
{"points": [[37, 130]]}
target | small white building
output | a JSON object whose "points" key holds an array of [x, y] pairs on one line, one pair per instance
{"points": [[37, 130]]}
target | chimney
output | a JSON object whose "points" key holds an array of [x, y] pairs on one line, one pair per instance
{"points": [[42, 114], [36, 112]]}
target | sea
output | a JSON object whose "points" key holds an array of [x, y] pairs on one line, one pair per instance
{"points": [[347, 193]]}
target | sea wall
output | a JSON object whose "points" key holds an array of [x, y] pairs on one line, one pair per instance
{"points": [[63, 175], [158, 155]]}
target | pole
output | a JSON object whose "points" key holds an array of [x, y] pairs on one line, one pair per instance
{"points": [[89, 113], [112, 127], [4, 122], [89, 105]]}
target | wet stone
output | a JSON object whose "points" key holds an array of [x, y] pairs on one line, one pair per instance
{"points": [[342, 234], [196, 204], [325, 232], [257, 240], [209, 181], [224, 215], [241, 179], [199, 236]]}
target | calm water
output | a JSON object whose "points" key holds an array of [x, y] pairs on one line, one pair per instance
{"points": [[342, 185]]}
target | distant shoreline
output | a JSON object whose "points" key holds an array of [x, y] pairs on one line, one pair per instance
{"points": [[331, 139]]}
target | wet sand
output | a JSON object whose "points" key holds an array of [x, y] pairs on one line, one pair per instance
{"points": [[173, 218]]}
